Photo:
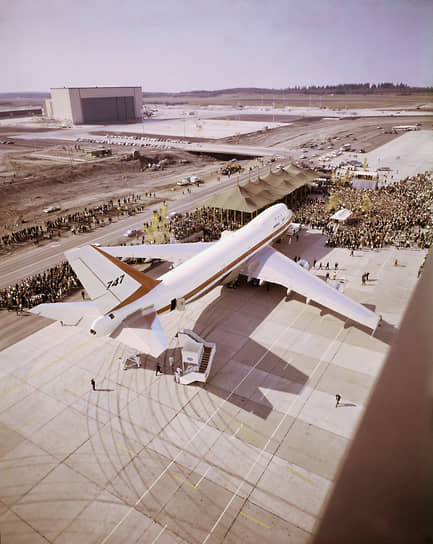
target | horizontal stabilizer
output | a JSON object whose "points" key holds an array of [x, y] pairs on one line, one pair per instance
{"points": [[68, 312], [143, 333]]}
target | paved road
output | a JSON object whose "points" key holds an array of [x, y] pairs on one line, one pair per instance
{"points": [[209, 147], [32, 260]]}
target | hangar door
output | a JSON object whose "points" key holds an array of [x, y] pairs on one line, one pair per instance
{"points": [[111, 109]]}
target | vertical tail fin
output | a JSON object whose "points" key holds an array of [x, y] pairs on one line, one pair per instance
{"points": [[109, 282]]}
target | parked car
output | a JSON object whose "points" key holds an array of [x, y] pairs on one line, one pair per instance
{"points": [[132, 232], [51, 209]]}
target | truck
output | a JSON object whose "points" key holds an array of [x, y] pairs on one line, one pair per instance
{"points": [[230, 168]]}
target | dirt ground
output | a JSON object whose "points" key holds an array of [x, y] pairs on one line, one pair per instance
{"points": [[33, 179], [35, 174]]}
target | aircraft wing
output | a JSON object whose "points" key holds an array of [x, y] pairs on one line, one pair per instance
{"points": [[68, 312], [166, 252], [272, 266]]}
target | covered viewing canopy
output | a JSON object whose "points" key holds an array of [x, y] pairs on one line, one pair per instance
{"points": [[261, 193], [341, 215]]}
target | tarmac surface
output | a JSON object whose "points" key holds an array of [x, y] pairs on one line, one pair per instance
{"points": [[405, 156], [251, 456], [411, 152]]}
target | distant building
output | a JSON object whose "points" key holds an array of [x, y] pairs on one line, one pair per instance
{"points": [[19, 112], [88, 105]]}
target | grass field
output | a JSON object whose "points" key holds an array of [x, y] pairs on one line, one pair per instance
{"points": [[351, 101], [265, 97]]}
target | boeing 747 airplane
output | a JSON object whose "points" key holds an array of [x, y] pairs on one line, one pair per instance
{"points": [[125, 303]]}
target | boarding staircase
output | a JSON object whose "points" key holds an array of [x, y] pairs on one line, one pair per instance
{"points": [[205, 359], [197, 357]]}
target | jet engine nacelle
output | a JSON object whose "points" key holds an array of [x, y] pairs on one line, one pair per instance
{"points": [[105, 325]]}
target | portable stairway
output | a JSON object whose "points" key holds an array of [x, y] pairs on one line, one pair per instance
{"points": [[205, 359], [197, 358]]}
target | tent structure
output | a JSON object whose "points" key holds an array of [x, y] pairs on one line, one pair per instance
{"points": [[257, 195], [341, 215]]}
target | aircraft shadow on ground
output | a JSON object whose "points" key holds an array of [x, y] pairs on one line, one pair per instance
{"points": [[384, 332], [215, 319], [212, 323], [222, 314]]}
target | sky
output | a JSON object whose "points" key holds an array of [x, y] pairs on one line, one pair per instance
{"points": [[183, 45]]}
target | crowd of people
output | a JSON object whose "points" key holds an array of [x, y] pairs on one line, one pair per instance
{"points": [[52, 285], [398, 214], [80, 221], [59, 282], [211, 224]]}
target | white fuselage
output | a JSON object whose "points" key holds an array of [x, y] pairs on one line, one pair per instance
{"points": [[205, 270]]}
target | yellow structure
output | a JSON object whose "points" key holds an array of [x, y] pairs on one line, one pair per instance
{"points": [[164, 210], [347, 177], [158, 232]]}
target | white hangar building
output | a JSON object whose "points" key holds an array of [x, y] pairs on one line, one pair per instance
{"points": [[87, 105]]}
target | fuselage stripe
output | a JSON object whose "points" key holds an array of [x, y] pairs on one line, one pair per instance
{"points": [[228, 267]]}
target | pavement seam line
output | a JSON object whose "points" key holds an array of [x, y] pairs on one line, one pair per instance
{"points": [[204, 475], [244, 431], [184, 481], [235, 494], [159, 534], [255, 520], [260, 359], [297, 474], [126, 449], [28, 422], [75, 388], [44, 368]]}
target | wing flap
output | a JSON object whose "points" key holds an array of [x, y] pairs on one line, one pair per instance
{"points": [[272, 266]]}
